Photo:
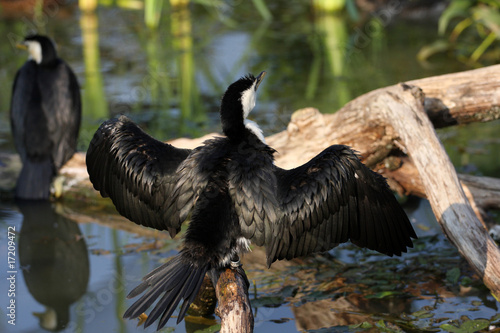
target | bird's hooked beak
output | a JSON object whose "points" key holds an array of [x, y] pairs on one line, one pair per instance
{"points": [[22, 46], [259, 79]]}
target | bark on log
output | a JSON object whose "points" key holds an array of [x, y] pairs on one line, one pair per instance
{"points": [[486, 190], [233, 307], [402, 107], [483, 192], [462, 98]]}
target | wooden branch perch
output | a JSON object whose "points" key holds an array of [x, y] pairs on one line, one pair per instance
{"points": [[234, 305]]}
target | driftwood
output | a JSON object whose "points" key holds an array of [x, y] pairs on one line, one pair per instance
{"points": [[393, 121], [405, 112]]}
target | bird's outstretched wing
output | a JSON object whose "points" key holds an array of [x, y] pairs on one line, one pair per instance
{"points": [[332, 199], [137, 172]]}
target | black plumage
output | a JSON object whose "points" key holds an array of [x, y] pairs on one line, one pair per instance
{"points": [[45, 117], [235, 194]]}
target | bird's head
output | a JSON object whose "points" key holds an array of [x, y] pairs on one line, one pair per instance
{"points": [[237, 103], [41, 49]]}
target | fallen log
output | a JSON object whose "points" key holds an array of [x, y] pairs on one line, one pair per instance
{"points": [[403, 109], [462, 98], [393, 121]]}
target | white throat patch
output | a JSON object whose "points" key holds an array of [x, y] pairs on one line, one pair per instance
{"points": [[35, 51], [255, 129], [248, 100], [248, 103]]}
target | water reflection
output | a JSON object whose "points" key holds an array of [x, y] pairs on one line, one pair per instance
{"points": [[333, 41], [94, 100], [350, 310], [54, 261]]}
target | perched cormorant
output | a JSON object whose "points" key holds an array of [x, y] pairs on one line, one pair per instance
{"points": [[45, 117], [234, 195]]}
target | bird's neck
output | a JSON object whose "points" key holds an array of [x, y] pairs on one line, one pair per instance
{"points": [[242, 130], [254, 128], [48, 58]]}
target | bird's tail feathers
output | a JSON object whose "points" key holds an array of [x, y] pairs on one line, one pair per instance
{"points": [[34, 180], [176, 280]]}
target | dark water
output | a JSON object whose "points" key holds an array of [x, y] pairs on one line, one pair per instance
{"points": [[76, 275]]}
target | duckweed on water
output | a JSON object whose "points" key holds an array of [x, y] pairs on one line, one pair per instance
{"points": [[430, 289]]}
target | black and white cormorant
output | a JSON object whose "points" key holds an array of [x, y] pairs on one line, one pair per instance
{"points": [[45, 117], [234, 195]]}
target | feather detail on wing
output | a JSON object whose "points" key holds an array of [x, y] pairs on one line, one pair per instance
{"points": [[332, 199], [137, 172]]}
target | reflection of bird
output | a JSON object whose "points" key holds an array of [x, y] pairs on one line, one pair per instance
{"points": [[55, 262], [45, 117], [235, 195]]}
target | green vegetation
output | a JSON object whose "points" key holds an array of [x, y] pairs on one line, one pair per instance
{"points": [[470, 31]]}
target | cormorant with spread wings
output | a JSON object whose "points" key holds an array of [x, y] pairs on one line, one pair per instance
{"points": [[234, 194]]}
